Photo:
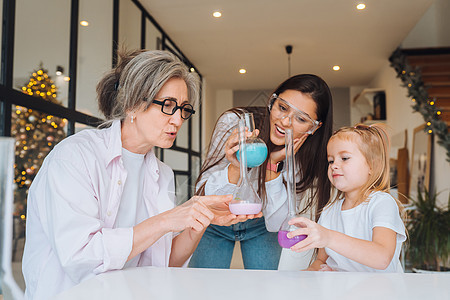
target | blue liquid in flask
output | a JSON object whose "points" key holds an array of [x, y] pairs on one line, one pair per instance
{"points": [[256, 154]]}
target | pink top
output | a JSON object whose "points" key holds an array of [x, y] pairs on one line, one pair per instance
{"points": [[72, 208]]}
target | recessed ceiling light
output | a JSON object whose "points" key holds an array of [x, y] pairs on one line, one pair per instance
{"points": [[336, 68], [242, 71], [192, 69], [360, 6], [84, 23], [217, 14]]}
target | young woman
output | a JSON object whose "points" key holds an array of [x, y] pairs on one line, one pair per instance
{"points": [[303, 103], [362, 229], [102, 200]]}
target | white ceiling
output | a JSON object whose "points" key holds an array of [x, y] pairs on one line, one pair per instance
{"points": [[252, 34]]}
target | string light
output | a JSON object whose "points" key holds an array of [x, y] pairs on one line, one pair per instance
{"points": [[423, 104], [34, 134]]}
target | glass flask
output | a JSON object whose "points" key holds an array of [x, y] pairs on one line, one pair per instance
{"points": [[283, 240], [255, 148], [245, 199]]}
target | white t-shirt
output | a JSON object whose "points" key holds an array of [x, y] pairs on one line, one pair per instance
{"points": [[132, 209], [380, 211]]}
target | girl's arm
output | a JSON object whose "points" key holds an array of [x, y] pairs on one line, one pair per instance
{"points": [[376, 254], [320, 260]]}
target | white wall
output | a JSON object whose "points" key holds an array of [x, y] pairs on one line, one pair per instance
{"points": [[208, 114], [37, 40], [433, 29], [215, 102], [341, 111], [400, 116]]}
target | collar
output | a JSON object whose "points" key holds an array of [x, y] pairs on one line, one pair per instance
{"points": [[151, 163], [114, 149], [114, 144]]}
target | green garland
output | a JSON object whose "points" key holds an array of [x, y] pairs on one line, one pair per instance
{"points": [[412, 80]]}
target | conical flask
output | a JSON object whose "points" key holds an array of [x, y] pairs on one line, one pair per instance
{"points": [[283, 240], [255, 148], [245, 199]]}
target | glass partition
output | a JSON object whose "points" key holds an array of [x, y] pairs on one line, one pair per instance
{"points": [[94, 51], [1, 32], [129, 25], [173, 49], [182, 136], [36, 133], [195, 120], [195, 171], [42, 36], [79, 127], [152, 36], [177, 160], [41, 67], [181, 188]]}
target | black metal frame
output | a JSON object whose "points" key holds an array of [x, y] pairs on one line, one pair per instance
{"points": [[10, 96]]}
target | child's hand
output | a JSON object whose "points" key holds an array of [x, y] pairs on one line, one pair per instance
{"points": [[325, 267], [317, 235]]}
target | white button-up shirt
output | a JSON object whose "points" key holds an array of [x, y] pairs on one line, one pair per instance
{"points": [[72, 207]]}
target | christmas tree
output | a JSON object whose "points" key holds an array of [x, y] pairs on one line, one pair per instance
{"points": [[36, 134]]}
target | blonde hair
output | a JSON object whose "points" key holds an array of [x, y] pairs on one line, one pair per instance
{"points": [[373, 142]]}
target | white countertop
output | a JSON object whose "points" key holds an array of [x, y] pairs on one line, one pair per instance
{"points": [[198, 284]]}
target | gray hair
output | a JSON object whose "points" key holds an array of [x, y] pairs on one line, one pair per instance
{"points": [[140, 75]]}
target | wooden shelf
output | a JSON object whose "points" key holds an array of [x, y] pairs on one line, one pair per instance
{"points": [[366, 96], [371, 108]]}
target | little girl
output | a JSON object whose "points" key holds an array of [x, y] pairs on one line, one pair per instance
{"points": [[361, 230]]}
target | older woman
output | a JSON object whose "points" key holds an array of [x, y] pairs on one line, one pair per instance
{"points": [[102, 200]]}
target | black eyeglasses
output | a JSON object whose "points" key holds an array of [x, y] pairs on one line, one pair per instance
{"points": [[169, 107]]}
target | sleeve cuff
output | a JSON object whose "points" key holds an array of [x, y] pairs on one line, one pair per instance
{"points": [[218, 184], [117, 243]]}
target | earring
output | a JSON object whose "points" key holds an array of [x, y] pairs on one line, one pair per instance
{"points": [[132, 119]]}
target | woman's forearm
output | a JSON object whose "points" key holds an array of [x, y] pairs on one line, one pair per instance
{"points": [[147, 233], [183, 246]]}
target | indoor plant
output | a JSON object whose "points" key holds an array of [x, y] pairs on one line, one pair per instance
{"points": [[429, 232]]}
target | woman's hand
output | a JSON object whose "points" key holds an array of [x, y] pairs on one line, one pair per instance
{"points": [[317, 235], [325, 268], [232, 145], [279, 153], [200, 211], [221, 210], [191, 214]]}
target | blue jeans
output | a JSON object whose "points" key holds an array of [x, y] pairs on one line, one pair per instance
{"points": [[260, 249]]}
